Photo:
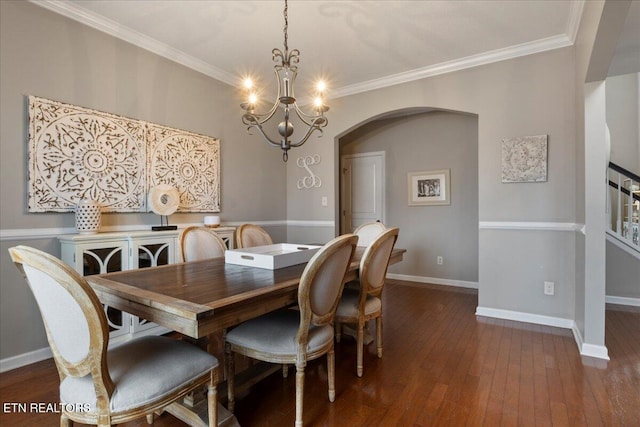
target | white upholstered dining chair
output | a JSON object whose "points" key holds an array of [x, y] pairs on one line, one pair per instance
{"points": [[359, 305], [106, 387], [296, 336], [368, 231], [250, 235], [199, 242]]}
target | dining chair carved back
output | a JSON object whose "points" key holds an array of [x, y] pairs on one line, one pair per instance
{"points": [[296, 336], [359, 305], [368, 232], [250, 235], [199, 242], [106, 387]]}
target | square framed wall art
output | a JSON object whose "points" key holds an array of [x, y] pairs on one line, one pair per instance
{"points": [[524, 159], [429, 188]]}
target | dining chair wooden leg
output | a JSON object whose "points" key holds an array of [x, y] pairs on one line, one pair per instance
{"points": [[150, 418], [379, 335], [228, 357], [299, 393], [212, 402], [338, 331], [65, 421], [285, 370], [223, 364], [360, 350], [331, 374]]}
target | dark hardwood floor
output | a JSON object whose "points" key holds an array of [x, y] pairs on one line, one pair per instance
{"points": [[442, 365]]}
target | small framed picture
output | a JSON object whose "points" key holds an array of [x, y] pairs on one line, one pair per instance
{"points": [[429, 188]]}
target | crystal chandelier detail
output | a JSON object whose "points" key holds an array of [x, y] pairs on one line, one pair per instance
{"points": [[285, 70]]}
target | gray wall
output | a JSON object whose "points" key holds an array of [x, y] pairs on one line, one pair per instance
{"points": [[531, 95], [45, 54], [623, 273], [623, 119], [423, 142]]}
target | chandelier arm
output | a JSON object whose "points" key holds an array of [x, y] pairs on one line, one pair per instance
{"points": [[261, 118], [264, 135], [264, 117], [306, 136], [309, 119]]}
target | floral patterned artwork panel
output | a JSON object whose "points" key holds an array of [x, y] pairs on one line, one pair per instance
{"points": [[76, 153], [524, 159], [188, 162]]}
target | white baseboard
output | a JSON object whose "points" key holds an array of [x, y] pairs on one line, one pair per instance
{"points": [[25, 359], [518, 316], [590, 350], [610, 299], [597, 351], [434, 280]]}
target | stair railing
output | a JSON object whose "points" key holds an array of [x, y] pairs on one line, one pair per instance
{"points": [[623, 199]]}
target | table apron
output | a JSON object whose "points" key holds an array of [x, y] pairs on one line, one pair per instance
{"points": [[219, 320], [172, 321]]}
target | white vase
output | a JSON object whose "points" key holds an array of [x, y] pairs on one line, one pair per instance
{"points": [[88, 217]]}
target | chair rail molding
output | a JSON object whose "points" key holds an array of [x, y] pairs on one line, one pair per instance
{"points": [[529, 225], [53, 232]]}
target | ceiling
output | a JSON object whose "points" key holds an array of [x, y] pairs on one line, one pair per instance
{"points": [[355, 45]]}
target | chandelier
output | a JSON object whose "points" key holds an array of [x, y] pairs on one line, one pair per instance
{"points": [[285, 70]]}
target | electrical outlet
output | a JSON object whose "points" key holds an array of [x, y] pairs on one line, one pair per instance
{"points": [[325, 201], [549, 288], [440, 260]]}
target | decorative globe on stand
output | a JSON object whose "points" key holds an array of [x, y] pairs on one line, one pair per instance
{"points": [[163, 200], [88, 217]]}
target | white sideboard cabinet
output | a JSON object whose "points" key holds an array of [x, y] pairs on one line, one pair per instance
{"points": [[108, 252]]}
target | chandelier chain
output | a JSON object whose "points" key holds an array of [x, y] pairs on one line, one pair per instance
{"points": [[286, 26]]}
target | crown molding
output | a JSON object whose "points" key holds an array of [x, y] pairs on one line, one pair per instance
{"points": [[485, 58], [575, 16], [108, 26], [100, 23]]}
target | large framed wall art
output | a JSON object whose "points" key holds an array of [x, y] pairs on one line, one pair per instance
{"points": [[77, 154]]}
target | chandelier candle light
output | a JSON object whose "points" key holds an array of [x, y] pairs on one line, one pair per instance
{"points": [[285, 71]]}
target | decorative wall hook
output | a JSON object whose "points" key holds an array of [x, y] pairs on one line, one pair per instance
{"points": [[312, 180]]}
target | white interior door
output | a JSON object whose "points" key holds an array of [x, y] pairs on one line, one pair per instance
{"points": [[362, 189]]}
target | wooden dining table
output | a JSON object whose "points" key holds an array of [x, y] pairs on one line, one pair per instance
{"points": [[199, 298]]}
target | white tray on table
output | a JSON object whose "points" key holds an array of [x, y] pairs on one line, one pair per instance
{"points": [[272, 257]]}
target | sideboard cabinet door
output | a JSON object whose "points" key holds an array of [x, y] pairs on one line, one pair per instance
{"points": [[94, 256], [108, 252], [150, 252]]}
